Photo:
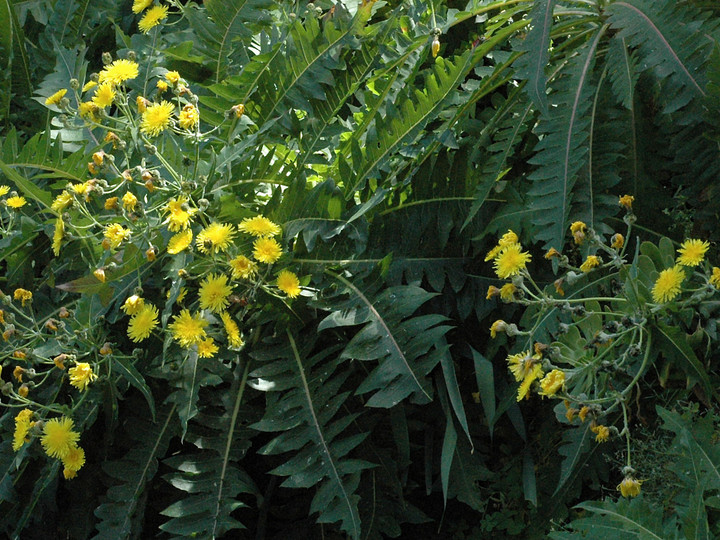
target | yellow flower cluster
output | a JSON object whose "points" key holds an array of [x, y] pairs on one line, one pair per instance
{"points": [[60, 441], [507, 256]]}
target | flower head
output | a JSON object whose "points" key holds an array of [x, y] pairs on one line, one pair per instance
{"points": [[498, 326], [266, 250], [56, 97], [88, 85], [179, 214], [715, 278], [81, 375], [592, 261], [58, 236], [535, 373], [152, 18], [62, 201], [58, 437], [668, 284], [141, 5], [189, 117], [133, 304], [73, 462], [214, 292], [142, 323], [629, 487], [129, 201], [180, 242], [578, 229], [23, 295], [602, 433], [23, 424], [259, 226], [118, 72], [617, 241], [104, 95], [116, 233], [215, 237], [156, 118], [88, 110], [492, 292], [692, 252], [16, 202], [552, 253], [507, 292], [206, 348], [510, 261], [242, 267], [188, 329], [552, 382], [232, 330], [289, 283], [626, 202], [4, 190], [173, 77]]}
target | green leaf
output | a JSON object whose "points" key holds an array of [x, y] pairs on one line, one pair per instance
{"points": [[453, 390], [672, 342], [133, 376], [577, 444], [486, 387]]}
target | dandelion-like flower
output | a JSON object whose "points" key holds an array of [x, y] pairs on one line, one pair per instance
{"points": [[180, 242], [156, 118], [187, 329], [62, 201], [141, 5], [626, 201], [668, 284], [56, 97], [510, 261], [692, 252], [129, 201], [259, 226], [16, 202], [242, 267], [88, 85], [206, 348], [578, 230], [214, 292], [215, 237], [173, 77], [179, 215], [73, 462], [142, 323], [521, 364], [498, 326], [617, 241], [507, 292], [133, 304], [104, 95], [289, 283], [81, 375], [592, 261], [116, 234], [189, 117], [58, 437], [58, 236], [629, 487], [152, 18], [22, 428], [552, 382], [88, 110], [118, 72], [602, 433], [23, 295], [715, 278], [535, 373], [4, 190], [232, 330], [266, 250]]}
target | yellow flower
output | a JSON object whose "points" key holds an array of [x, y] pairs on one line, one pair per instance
{"points": [[510, 261], [591, 262], [118, 72], [552, 382], [507, 292], [207, 348], [289, 283], [584, 410], [492, 292], [56, 97], [551, 253], [668, 284], [180, 242], [22, 427], [173, 77], [259, 226], [521, 364], [58, 236], [189, 117], [4, 190], [16, 202], [162, 86], [602, 433], [497, 326], [180, 214], [73, 462], [570, 414], [156, 118], [692, 252], [629, 487], [242, 267], [88, 109], [266, 250], [142, 104], [88, 85], [232, 330], [214, 292], [617, 241], [626, 202], [115, 233], [535, 373], [507, 239], [715, 278], [104, 95], [81, 375], [152, 18], [111, 203], [129, 201], [142, 323], [58, 437], [215, 237], [23, 295], [578, 230], [188, 330], [62, 201], [133, 304], [141, 5]]}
